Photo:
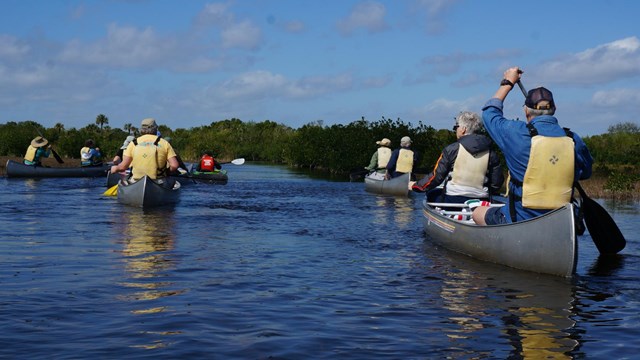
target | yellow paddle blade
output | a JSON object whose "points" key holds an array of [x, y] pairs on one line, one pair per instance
{"points": [[112, 191]]}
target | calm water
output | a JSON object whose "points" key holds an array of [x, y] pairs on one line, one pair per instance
{"points": [[279, 265]]}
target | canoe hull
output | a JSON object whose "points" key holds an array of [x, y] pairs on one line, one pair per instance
{"points": [[546, 244], [19, 170], [147, 193], [398, 186]]}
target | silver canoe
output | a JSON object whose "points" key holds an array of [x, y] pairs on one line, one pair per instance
{"points": [[20, 170], [396, 186], [146, 193], [546, 244]]}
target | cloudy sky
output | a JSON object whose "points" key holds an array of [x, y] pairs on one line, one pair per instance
{"points": [[190, 62]]}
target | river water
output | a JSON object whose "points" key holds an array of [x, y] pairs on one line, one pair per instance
{"points": [[278, 264]]}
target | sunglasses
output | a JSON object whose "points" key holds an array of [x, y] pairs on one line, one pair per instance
{"points": [[455, 127]]}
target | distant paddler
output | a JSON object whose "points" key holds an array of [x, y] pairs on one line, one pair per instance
{"points": [[39, 148], [149, 155]]}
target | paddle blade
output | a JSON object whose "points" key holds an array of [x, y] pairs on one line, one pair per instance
{"points": [[58, 158], [239, 161], [603, 230], [112, 191], [358, 174]]}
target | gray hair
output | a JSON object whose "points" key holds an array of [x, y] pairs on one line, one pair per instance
{"points": [[153, 130], [539, 112], [469, 120]]}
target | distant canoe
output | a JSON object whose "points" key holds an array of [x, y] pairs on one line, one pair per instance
{"points": [[219, 177], [147, 193], [398, 186], [19, 170]]}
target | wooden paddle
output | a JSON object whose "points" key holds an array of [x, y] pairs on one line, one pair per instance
{"points": [[603, 230]]}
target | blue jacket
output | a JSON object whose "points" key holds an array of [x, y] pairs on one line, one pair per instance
{"points": [[513, 138]]}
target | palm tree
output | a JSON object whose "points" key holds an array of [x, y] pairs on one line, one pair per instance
{"points": [[59, 127], [101, 120]]}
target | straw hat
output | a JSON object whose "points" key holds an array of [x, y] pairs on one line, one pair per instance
{"points": [[39, 141], [384, 142]]}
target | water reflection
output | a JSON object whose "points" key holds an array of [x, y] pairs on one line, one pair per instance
{"points": [[607, 265], [148, 244], [401, 207], [535, 312]]}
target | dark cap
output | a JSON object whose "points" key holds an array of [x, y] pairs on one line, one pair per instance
{"points": [[537, 95]]}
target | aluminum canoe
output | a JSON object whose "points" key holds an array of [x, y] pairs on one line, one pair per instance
{"points": [[147, 193], [19, 170], [398, 186], [546, 244]]}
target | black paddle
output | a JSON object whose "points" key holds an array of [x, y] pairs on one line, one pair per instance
{"points": [[603, 230], [58, 158], [357, 174]]}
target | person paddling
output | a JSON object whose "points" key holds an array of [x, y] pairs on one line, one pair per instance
{"points": [[544, 159], [208, 163], [380, 158], [90, 154], [149, 155], [39, 148]]}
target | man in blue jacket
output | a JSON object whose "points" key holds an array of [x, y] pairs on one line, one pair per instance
{"points": [[544, 159]]}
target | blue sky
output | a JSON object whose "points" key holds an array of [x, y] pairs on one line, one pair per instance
{"points": [[189, 63]]}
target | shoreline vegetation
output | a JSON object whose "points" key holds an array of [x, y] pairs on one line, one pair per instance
{"points": [[335, 150]]}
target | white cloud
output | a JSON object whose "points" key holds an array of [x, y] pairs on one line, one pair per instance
{"points": [[242, 35], [434, 10], [377, 81], [123, 47], [605, 63], [257, 85], [368, 15], [215, 14], [320, 85], [616, 98], [12, 48]]}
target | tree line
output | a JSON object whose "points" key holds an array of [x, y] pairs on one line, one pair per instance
{"points": [[336, 148]]}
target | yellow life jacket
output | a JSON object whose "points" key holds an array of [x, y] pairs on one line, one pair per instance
{"points": [[470, 170], [31, 154], [384, 154], [548, 181], [405, 161], [145, 157]]}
